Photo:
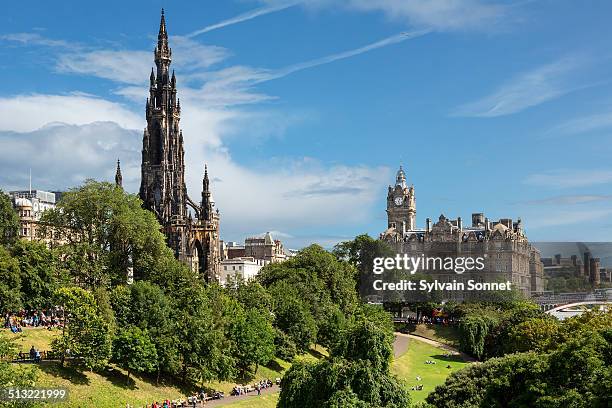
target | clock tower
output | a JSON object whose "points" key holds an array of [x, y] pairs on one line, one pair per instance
{"points": [[401, 204]]}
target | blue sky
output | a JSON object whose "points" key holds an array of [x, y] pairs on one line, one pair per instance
{"points": [[305, 109]]}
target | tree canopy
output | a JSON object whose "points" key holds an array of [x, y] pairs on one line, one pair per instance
{"points": [[9, 221], [107, 233], [87, 335], [357, 374]]}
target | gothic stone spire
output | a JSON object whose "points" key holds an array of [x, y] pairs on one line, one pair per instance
{"points": [[118, 176], [206, 207]]}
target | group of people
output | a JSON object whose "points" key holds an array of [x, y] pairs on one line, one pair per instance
{"points": [[258, 386], [200, 399], [190, 402], [34, 318]]}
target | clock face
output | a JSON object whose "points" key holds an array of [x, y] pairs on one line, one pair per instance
{"points": [[398, 200]]}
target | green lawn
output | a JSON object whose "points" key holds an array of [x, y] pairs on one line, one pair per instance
{"points": [[412, 364], [40, 338], [262, 401]]}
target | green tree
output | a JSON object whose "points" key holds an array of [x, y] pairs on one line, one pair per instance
{"points": [[362, 250], [134, 351], [534, 334], [9, 221], [578, 374], [319, 277], [252, 295], [367, 341], [145, 305], [253, 335], [107, 233], [292, 316], [40, 273], [473, 330], [204, 316], [86, 333], [356, 375], [10, 282], [307, 291], [15, 375], [331, 329]]}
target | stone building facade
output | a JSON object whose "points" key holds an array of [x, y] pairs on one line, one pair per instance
{"points": [[30, 206], [503, 244], [194, 240], [265, 248]]}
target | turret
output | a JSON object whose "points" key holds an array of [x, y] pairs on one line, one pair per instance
{"points": [[400, 179], [118, 176], [206, 206]]}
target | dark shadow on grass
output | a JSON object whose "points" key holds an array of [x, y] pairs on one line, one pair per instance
{"points": [[274, 366], [69, 373], [118, 378], [453, 357], [316, 354], [406, 328], [245, 378], [447, 333]]}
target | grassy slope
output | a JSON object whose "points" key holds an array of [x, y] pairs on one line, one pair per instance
{"points": [[443, 334], [40, 338], [109, 389], [412, 364]]}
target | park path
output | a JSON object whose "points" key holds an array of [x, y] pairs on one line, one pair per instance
{"points": [[400, 345], [252, 396]]}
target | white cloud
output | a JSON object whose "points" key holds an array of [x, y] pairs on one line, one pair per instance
{"points": [[25, 113], [570, 178], [442, 15], [286, 197], [560, 218], [571, 199], [119, 66], [134, 66], [591, 123], [62, 155], [249, 15], [35, 39], [277, 195], [526, 90]]}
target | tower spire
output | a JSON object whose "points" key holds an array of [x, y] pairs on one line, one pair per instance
{"points": [[162, 25], [118, 176], [400, 179], [163, 52], [206, 205]]}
